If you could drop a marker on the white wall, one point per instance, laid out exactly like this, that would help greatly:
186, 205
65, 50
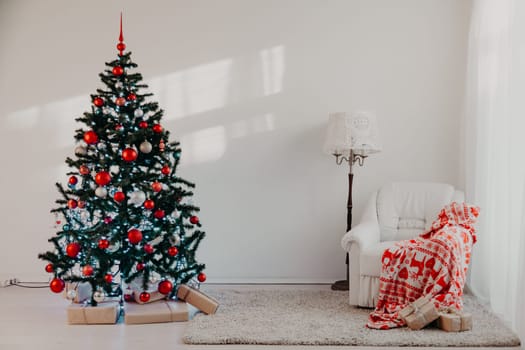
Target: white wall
247, 86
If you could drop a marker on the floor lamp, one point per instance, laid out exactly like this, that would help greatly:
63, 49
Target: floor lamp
350, 138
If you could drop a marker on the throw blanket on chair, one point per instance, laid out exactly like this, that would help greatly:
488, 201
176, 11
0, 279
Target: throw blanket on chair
435, 264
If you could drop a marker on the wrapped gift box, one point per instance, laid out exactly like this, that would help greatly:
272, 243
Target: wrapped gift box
420, 313
454, 322
157, 312
82, 291
198, 299
103, 313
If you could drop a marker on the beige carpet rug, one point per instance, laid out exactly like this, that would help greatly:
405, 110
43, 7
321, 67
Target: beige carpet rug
323, 317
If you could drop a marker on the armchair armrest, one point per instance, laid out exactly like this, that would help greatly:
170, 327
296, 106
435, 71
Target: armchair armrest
364, 234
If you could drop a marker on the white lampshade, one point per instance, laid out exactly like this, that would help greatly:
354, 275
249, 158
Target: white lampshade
356, 131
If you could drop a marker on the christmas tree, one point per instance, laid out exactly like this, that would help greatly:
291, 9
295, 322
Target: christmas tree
125, 215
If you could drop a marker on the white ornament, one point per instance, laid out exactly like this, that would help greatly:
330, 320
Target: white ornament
101, 192
145, 147
138, 113
114, 169
137, 198
119, 85
99, 296
80, 150
71, 294
114, 247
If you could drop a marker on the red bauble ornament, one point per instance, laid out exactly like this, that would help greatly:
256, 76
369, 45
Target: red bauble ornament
157, 128
128, 297
159, 213
73, 180
132, 97
129, 154
144, 297
143, 125
165, 287
102, 178
148, 248
50, 268
165, 170
84, 170
87, 270
120, 101
118, 70
121, 47
81, 204
72, 204
72, 249
201, 277
194, 220
149, 204
156, 186
57, 285
140, 266
134, 236
108, 278
118, 127
172, 251
103, 243
98, 101
119, 196
90, 137
162, 146
108, 220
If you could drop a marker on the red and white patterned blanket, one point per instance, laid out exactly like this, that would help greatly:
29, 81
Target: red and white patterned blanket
435, 263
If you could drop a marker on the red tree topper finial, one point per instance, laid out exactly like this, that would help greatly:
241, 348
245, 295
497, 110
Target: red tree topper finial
121, 46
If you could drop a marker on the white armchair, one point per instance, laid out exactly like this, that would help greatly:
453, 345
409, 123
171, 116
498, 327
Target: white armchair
397, 211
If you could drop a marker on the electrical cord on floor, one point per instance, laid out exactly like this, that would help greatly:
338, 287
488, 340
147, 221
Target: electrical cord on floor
16, 283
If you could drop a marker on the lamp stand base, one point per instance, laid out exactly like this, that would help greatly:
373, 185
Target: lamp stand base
340, 285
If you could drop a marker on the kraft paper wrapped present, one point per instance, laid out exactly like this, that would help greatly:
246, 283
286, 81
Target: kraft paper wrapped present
81, 291
157, 312
420, 313
454, 322
198, 299
103, 313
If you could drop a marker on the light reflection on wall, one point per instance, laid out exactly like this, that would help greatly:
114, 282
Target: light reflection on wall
272, 61
195, 90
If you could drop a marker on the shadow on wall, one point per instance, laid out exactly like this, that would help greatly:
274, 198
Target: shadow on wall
199, 92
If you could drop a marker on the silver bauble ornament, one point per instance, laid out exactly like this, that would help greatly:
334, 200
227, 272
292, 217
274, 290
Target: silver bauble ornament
99, 296
80, 150
101, 192
71, 294
138, 113
145, 147
137, 198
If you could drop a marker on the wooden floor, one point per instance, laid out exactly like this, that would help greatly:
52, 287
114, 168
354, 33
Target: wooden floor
35, 319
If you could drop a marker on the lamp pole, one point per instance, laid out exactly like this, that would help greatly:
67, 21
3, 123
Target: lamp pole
344, 284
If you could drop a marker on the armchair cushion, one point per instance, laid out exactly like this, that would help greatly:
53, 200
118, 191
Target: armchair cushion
405, 209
